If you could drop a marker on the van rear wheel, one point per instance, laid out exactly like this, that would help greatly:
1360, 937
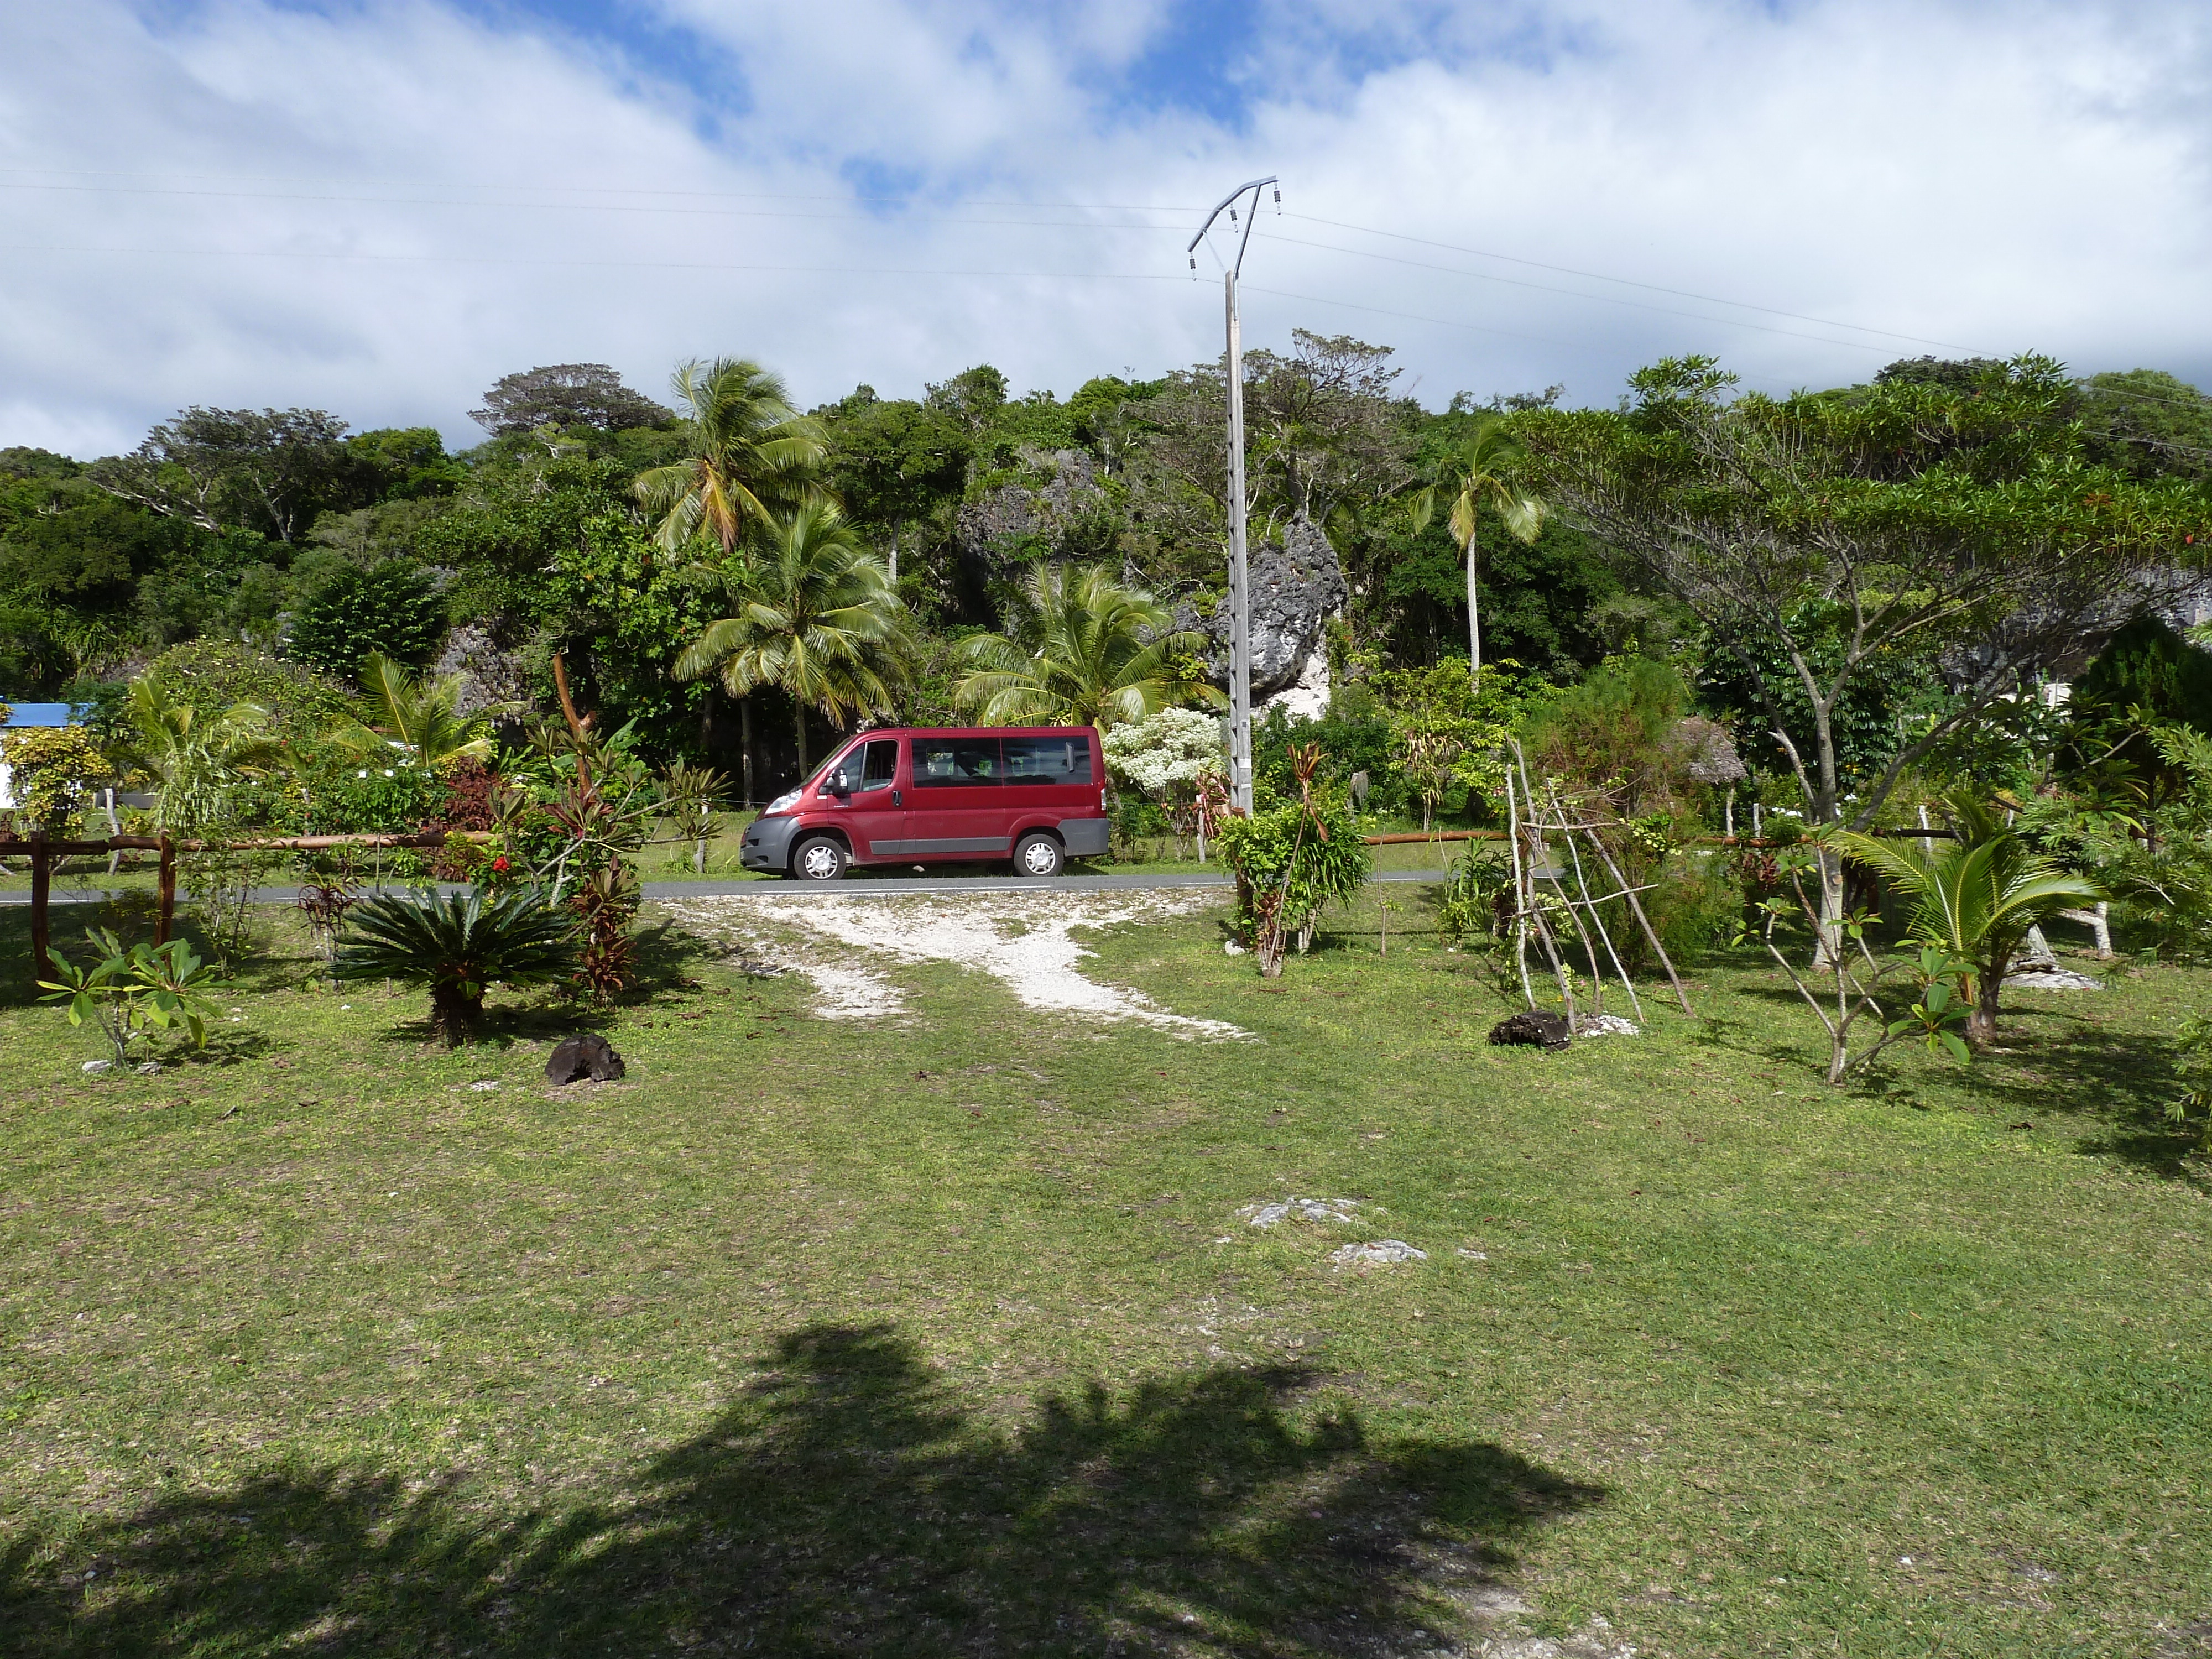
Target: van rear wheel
1038, 854
819, 857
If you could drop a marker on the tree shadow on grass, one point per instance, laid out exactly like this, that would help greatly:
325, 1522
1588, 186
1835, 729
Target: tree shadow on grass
2050, 1062
847, 1504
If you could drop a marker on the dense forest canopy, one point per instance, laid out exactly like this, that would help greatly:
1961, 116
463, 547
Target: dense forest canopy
286, 531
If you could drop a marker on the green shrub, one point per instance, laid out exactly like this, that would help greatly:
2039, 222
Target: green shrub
1697, 904
391, 608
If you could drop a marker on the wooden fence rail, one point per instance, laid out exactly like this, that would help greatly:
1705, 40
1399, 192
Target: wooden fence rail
43, 850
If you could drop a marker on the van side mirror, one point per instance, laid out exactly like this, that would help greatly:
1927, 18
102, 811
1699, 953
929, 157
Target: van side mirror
841, 783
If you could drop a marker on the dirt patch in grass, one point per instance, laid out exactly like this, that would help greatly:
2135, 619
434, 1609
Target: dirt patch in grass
1025, 943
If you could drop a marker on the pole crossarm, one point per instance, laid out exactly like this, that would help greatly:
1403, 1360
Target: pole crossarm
1253, 184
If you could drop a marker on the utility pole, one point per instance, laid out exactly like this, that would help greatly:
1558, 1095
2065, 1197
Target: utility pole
1239, 599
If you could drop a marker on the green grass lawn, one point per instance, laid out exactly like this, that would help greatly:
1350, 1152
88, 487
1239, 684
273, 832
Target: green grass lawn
943, 1335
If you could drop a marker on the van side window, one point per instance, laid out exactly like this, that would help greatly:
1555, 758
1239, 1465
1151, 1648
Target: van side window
956, 762
1048, 760
880, 767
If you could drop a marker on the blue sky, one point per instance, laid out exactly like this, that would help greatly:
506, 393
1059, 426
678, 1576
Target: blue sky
379, 207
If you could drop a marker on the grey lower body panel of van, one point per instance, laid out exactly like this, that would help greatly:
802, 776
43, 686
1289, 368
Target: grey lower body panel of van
766, 844
1084, 838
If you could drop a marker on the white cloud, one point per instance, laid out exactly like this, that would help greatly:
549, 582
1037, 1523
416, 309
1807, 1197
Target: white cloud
2001, 178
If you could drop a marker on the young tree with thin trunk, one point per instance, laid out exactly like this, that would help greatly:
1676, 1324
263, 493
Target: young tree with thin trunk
1481, 471
1835, 532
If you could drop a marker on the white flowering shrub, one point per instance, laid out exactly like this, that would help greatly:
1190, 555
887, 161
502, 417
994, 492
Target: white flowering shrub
1165, 755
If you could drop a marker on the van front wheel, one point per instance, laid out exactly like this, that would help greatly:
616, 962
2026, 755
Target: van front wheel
820, 858
1036, 855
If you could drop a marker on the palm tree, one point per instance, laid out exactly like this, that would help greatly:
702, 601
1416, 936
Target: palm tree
1079, 649
190, 756
1977, 897
422, 717
747, 451
1483, 463
816, 617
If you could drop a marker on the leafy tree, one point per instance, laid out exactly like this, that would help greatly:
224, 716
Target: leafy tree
1325, 434
565, 395
519, 516
1447, 731
1480, 472
746, 451
50, 771
972, 397
213, 676
401, 464
1078, 648
1907, 517
815, 618
2147, 675
894, 462
390, 610
1881, 697
270, 470
2147, 424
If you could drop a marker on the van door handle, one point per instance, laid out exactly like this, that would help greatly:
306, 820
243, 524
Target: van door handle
897, 797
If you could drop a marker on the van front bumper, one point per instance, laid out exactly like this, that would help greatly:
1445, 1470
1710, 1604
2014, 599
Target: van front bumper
766, 844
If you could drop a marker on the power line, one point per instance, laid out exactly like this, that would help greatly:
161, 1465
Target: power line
584, 207
1599, 299
1416, 317
617, 264
2199, 403
1624, 281
588, 190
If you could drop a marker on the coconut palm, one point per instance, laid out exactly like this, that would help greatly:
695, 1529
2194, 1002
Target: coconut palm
421, 716
1079, 649
1977, 896
816, 617
1482, 464
190, 757
748, 451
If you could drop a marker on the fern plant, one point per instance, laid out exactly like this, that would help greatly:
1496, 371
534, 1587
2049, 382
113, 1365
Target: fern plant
458, 945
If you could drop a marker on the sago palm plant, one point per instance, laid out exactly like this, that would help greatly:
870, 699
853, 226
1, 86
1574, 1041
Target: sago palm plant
458, 945
1976, 897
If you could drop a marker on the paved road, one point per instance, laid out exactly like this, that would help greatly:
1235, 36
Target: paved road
853, 887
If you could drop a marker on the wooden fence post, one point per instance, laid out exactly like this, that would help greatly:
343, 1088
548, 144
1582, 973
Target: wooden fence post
167, 917
41, 881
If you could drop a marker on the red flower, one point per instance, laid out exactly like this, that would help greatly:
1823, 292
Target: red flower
499, 866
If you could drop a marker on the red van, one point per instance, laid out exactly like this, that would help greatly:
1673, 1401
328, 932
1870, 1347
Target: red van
1034, 794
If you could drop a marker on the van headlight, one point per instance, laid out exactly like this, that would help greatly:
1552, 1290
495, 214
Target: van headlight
782, 803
